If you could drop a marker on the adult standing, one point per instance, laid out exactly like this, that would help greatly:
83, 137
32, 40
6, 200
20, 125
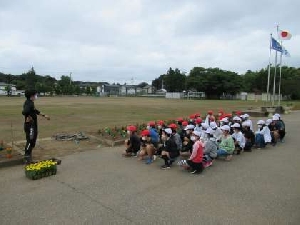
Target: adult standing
30, 124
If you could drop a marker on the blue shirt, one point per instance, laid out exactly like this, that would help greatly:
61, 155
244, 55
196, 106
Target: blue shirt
154, 135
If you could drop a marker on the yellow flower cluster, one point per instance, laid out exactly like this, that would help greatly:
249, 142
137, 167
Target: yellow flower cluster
40, 165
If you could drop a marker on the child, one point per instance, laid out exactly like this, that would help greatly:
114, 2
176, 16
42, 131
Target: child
198, 127
176, 136
210, 150
226, 147
169, 151
238, 137
195, 160
217, 133
274, 129
187, 145
210, 117
147, 148
281, 126
262, 135
249, 136
133, 144
153, 134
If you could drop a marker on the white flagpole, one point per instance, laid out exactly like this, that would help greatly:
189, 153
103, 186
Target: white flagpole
279, 91
269, 71
274, 84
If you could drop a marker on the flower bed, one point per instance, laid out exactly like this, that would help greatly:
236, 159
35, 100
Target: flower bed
118, 133
38, 170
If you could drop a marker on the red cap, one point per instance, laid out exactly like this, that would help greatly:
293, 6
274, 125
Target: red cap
238, 113
185, 123
198, 121
221, 111
179, 119
145, 133
151, 123
210, 112
173, 126
160, 122
197, 115
228, 115
131, 128
192, 116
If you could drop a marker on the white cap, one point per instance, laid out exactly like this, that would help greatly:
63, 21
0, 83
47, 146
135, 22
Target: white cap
225, 127
168, 130
236, 118
246, 124
246, 115
278, 115
209, 131
197, 133
260, 122
189, 127
275, 118
213, 125
236, 125
225, 120
204, 125
268, 122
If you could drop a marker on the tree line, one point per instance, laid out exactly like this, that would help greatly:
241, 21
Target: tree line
216, 82
46, 84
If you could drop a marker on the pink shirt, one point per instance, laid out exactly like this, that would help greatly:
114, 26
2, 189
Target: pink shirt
197, 153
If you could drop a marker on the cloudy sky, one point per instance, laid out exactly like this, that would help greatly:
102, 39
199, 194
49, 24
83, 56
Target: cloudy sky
137, 40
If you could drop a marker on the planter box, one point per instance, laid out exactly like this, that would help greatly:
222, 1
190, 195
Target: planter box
44, 168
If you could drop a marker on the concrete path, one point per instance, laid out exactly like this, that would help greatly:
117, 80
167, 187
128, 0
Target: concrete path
101, 187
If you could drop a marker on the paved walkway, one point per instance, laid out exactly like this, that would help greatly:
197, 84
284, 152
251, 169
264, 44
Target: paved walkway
101, 187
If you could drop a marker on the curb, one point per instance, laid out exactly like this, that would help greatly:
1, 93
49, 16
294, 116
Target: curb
12, 162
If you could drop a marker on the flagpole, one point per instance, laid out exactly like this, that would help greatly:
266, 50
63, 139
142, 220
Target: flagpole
269, 71
279, 88
274, 84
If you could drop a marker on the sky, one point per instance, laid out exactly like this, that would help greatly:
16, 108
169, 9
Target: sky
138, 40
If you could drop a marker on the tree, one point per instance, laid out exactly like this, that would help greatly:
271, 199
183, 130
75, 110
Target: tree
158, 82
30, 79
143, 84
174, 80
66, 86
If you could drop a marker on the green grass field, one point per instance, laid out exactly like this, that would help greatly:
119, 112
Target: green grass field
73, 114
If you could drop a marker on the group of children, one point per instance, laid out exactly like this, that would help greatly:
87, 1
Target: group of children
197, 143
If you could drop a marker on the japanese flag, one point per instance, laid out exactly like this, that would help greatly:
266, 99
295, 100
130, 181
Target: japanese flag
284, 35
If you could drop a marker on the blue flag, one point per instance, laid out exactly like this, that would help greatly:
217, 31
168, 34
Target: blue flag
276, 46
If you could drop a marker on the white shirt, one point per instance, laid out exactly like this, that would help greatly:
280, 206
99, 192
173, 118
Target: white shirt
218, 134
199, 129
266, 133
239, 137
251, 124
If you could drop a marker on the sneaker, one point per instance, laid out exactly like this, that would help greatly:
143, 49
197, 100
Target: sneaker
207, 164
134, 154
194, 172
154, 157
149, 161
164, 167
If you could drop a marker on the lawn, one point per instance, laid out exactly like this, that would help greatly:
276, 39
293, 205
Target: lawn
73, 114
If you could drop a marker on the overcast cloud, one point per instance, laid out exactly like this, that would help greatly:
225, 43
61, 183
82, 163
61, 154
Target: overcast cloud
137, 40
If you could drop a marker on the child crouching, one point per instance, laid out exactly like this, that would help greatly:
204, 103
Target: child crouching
195, 160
